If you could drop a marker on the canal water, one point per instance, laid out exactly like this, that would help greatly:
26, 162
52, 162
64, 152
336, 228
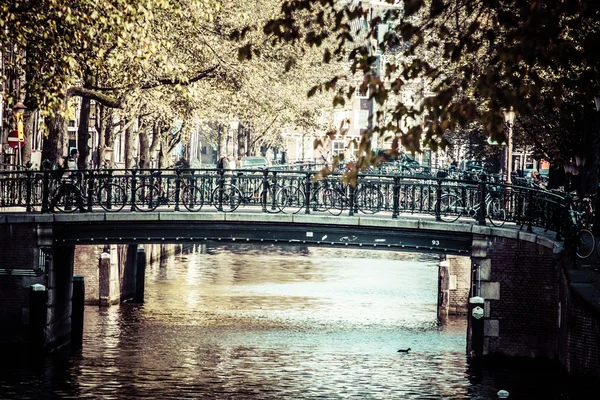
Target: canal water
258, 322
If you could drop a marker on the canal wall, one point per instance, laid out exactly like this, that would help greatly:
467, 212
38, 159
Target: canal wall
519, 282
109, 271
579, 323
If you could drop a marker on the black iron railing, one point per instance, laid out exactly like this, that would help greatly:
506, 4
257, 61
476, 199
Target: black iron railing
486, 201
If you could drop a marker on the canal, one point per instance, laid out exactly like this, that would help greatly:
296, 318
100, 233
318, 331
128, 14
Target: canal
258, 322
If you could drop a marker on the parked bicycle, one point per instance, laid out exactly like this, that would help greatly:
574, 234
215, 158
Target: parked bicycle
581, 220
71, 194
243, 191
162, 192
453, 206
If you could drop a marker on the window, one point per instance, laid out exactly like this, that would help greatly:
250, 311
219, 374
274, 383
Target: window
361, 119
338, 147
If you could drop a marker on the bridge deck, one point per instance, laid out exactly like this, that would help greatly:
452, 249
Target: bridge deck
411, 232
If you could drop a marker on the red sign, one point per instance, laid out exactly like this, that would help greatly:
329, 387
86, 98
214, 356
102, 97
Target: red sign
13, 140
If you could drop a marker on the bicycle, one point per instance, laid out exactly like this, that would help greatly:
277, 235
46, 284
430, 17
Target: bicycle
585, 242
453, 206
70, 195
368, 198
148, 196
231, 195
292, 198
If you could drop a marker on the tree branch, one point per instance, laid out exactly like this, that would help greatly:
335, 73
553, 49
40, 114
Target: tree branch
175, 81
105, 100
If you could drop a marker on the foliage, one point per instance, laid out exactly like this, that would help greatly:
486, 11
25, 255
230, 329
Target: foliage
489, 56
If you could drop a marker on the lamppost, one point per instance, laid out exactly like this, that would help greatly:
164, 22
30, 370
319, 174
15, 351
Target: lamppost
509, 118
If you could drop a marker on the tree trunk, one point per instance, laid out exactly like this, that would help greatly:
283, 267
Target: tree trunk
222, 137
83, 134
129, 151
162, 159
55, 146
144, 140
154, 147
28, 130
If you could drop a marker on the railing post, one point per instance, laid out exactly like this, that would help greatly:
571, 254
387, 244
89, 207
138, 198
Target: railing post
351, 205
221, 184
133, 184
307, 189
109, 194
263, 193
177, 189
530, 211
274, 192
29, 183
482, 196
90, 187
438, 201
396, 197
46, 187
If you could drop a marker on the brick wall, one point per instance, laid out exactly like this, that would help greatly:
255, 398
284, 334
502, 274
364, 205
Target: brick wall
18, 246
86, 263
525, 316
579, 344
460, 284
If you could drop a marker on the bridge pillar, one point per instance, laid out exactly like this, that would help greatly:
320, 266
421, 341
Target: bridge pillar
481, 328
443, 289
78, 302
38, 316
108, 280
128, 285
60, 291
454, 283
140, 275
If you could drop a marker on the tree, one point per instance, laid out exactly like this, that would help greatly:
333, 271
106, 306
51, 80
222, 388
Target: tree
490, 57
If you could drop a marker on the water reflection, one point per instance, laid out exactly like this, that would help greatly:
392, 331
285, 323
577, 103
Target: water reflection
250, 322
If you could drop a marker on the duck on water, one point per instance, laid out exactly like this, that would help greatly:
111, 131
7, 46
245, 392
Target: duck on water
404, 350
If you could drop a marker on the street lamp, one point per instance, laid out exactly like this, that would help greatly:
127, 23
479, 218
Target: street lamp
597, 101
509, 118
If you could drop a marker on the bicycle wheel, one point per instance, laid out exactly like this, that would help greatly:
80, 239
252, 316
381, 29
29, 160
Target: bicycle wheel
192, 198
334, 201
496, 212
271, 204
585, 243
369, 199
147, 198
111, 197
67, 198
230, 200
319, 198
451, 208
290, 199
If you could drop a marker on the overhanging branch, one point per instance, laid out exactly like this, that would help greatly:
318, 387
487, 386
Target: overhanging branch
175, 81
102, 98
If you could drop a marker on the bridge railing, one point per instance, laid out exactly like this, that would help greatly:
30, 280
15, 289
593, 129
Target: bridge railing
287, 191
